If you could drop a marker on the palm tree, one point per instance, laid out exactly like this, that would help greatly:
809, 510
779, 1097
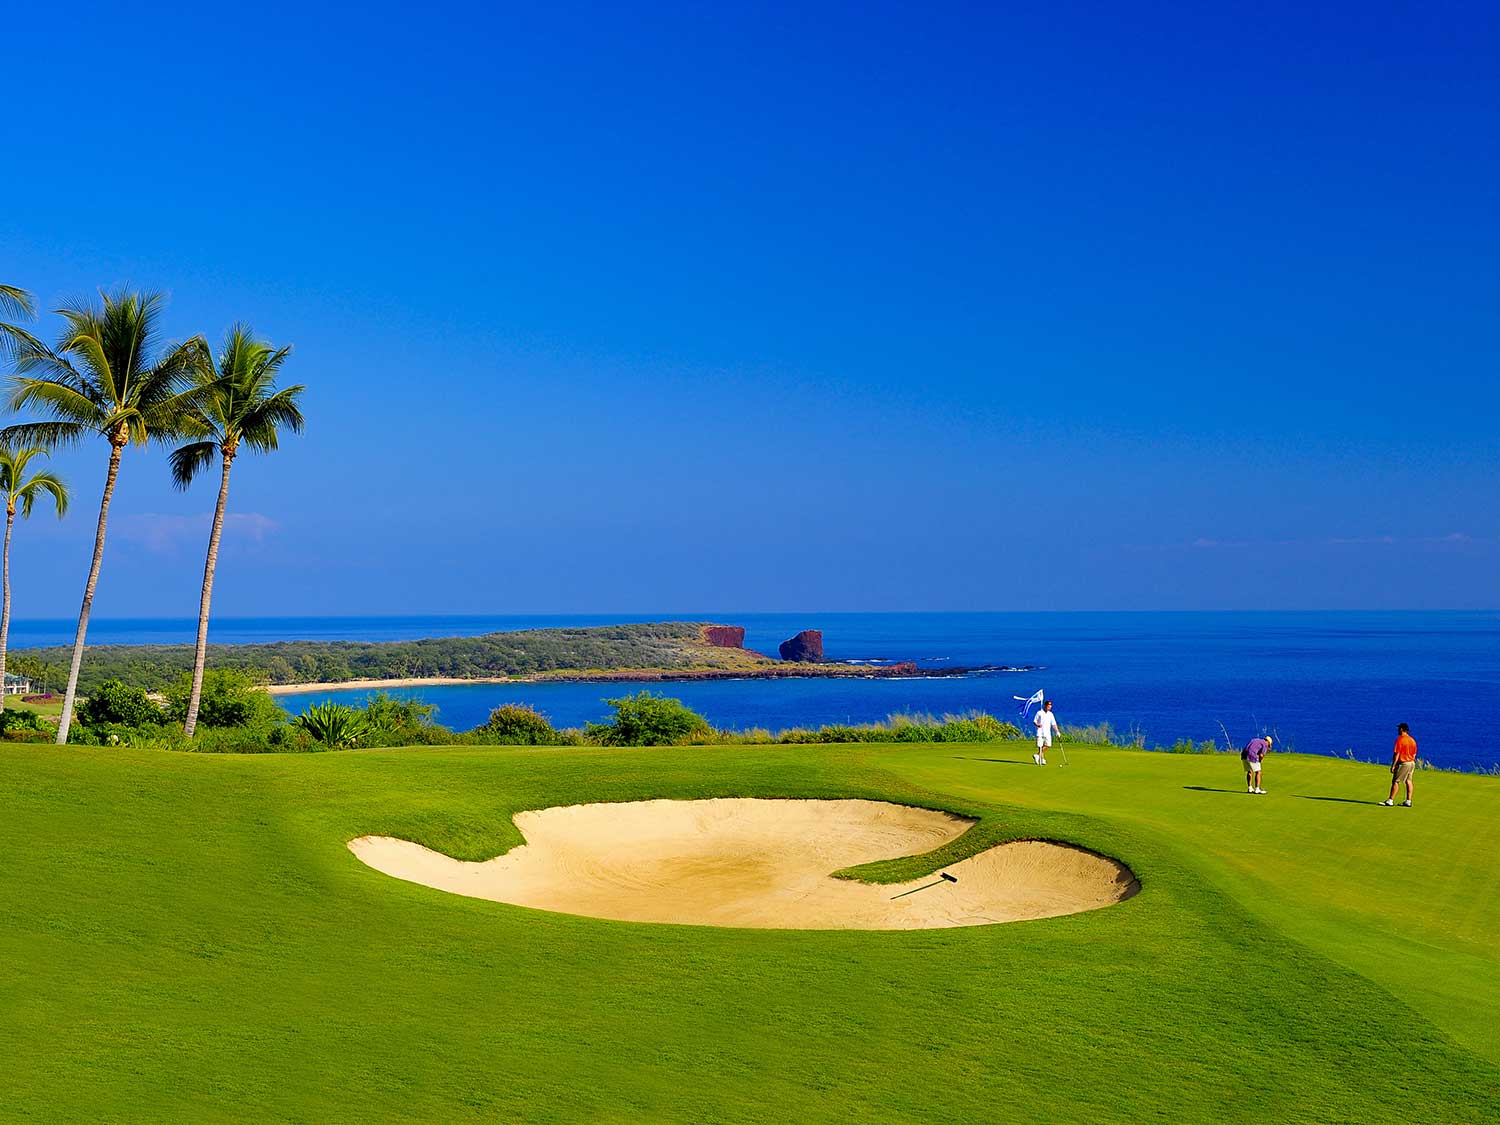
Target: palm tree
21, 491
240, 406
109, 376
16, 302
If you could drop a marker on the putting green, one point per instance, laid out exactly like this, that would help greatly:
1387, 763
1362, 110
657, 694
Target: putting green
188, 937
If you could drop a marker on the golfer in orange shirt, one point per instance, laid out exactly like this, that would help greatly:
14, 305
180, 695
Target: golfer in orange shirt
1403, 765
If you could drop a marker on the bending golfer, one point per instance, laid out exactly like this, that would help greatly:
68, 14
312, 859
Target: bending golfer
1254, 753
1046, 727
1403, 764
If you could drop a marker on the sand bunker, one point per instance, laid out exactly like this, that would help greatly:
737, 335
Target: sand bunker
761, 864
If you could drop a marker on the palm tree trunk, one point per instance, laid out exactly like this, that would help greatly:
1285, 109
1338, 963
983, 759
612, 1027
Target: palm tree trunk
200, 654
116, 447
10, 522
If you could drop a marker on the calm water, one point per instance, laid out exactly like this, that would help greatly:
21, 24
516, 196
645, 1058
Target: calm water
1327, 682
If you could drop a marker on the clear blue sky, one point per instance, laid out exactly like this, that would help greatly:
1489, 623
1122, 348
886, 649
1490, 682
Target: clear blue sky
803, 307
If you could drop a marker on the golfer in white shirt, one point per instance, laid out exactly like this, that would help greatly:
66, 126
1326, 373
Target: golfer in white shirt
1046, 727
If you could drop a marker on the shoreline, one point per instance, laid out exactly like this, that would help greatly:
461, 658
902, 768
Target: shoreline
648, 676
372, 685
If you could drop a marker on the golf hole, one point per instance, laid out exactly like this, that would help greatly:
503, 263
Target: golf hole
760, 864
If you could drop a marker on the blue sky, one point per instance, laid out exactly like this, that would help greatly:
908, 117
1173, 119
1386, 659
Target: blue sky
804, 307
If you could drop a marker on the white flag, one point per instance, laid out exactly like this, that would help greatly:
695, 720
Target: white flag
1028, 704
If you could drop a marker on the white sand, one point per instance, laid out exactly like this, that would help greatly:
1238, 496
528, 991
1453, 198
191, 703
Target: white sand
759, 864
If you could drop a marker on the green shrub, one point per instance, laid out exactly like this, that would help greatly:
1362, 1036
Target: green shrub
646, 719
333, 725
229, 699
913, 732
799, 736
1099, 734
840, 732
401, 722
30, 736
14, 723
1188, 746
975, 726
113, 703
518, 724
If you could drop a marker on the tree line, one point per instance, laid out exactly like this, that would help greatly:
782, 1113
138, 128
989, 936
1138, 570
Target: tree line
110, 376
665, 646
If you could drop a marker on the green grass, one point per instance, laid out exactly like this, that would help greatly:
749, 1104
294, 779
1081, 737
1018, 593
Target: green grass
186, 936
49, 710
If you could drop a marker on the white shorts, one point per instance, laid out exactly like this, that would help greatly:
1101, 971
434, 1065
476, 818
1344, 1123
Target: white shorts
1043, 740
1251, 767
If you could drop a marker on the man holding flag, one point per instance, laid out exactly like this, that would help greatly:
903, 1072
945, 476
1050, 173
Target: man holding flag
1046, 726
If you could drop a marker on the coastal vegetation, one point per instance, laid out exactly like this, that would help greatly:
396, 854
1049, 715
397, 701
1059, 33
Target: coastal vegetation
241, 719
21, 492
239, 407
111, 376
661, 649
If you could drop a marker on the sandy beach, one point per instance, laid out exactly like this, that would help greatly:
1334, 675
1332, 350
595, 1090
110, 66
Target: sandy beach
378, 685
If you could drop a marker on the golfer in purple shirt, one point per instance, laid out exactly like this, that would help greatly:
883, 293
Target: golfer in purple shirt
1254, 753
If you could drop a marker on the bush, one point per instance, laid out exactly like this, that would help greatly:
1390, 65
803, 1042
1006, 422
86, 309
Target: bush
115, 704
229, 699
913, 732
1100, 734
283, 738
646, 719
14, 723
333, 725
401, 722
518, 724
1188, 746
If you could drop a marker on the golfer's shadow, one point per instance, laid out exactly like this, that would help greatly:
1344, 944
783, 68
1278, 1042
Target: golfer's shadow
999, 761
1206, 789
1341, 800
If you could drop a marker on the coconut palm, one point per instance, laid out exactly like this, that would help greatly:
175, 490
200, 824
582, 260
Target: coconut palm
109, 376
21, 491
240, 408
16, 302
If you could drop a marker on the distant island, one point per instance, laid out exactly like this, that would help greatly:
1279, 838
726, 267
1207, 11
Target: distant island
660, 651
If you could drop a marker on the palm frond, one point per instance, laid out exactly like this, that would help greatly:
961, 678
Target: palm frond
27, 352
180, 415
16, 302
13, 462
54, 435
260, 424
65, 403
48, 483
190, 460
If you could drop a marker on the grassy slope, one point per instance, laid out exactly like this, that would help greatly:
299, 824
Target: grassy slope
187, 936
46, 710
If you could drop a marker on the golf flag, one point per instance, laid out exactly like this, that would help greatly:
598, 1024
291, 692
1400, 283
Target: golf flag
1028, 704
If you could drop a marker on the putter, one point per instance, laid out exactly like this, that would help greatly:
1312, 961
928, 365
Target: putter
936, 882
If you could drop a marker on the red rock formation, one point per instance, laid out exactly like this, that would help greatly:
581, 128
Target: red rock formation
724, 636
805, 648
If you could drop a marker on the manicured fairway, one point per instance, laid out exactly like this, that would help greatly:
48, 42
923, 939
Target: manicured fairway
187, 937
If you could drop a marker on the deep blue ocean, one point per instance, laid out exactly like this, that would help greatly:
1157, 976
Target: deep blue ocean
1327, 683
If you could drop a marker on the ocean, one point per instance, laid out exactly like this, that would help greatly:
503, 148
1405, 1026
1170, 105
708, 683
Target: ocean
1326, 683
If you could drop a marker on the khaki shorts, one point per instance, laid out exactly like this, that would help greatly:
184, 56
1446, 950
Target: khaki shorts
1404, 770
